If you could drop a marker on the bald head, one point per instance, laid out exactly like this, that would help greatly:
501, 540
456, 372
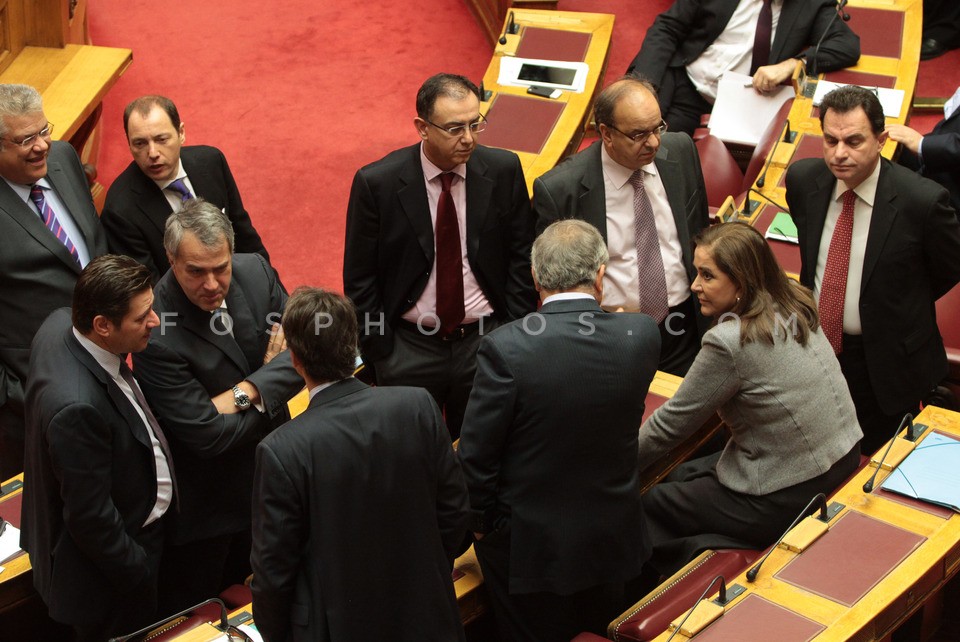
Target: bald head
626, 112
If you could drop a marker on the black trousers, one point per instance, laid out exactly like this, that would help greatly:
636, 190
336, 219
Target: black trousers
542, 616
681, 105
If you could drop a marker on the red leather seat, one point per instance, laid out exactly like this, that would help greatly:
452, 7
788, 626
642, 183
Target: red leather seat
721, 174
948, 319
236, 596
651, 616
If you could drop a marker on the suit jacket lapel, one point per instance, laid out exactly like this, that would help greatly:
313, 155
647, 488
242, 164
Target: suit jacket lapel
818, 200
199, 174
29, 219
74, 201
479, 193
788, 15
670, 171
413, 201
881, 221
198, 322
244, 326
591, 201
117, 396
151, 201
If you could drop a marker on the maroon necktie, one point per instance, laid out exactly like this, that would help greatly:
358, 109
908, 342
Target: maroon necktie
449, 260
761, 39
127, 375
833, 285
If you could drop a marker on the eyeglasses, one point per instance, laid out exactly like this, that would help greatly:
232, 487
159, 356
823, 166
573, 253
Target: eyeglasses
457, 131
641, 137
31, 140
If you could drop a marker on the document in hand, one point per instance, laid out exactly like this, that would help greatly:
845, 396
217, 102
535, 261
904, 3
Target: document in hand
741, 114
929, 473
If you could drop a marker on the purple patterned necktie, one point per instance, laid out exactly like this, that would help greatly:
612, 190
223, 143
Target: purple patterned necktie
51, 221
652, 276
180, 188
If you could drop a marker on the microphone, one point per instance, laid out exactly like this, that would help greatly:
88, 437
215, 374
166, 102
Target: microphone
786, 138
720, 601
839, 13
511, 29
820, 500
907, 419
485, 94
749, 206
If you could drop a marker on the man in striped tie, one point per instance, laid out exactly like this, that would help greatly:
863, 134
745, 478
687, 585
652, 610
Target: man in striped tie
879, 245
49, 231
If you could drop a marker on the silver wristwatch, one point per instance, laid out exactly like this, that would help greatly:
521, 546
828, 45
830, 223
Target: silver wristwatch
241, 398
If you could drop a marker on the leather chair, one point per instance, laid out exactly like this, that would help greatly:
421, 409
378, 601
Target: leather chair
721, 174
948, 319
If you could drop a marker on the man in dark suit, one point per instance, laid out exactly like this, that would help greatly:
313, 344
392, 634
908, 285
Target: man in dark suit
99, 478
598, 186
937, 154
359, 503
217, 374
161, 177
437, 248
38, 266
554, 475
691, 44
878, 245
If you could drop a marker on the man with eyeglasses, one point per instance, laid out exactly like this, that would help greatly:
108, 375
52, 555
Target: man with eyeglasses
437, 248
49, 230
642, 188
165, 174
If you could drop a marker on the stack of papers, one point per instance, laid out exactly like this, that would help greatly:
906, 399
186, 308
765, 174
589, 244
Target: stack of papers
929, 473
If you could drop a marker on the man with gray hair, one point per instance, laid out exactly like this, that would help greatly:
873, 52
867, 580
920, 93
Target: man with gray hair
217, 375
49, 231
549, 447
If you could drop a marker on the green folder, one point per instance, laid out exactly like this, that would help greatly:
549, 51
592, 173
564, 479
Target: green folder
782, 228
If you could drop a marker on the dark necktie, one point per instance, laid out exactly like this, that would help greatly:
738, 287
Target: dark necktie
449, 260
650, 270
127, 375
51, 221
180, 188
761, 39
833, 285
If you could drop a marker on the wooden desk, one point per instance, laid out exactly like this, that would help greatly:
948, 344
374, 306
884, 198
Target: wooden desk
895, 595
566, 132
16, 580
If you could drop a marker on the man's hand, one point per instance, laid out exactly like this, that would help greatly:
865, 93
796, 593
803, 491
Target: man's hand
278, 343
769, 77
226, 403
909, 138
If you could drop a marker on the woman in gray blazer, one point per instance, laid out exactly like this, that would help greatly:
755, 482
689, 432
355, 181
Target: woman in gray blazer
768, 370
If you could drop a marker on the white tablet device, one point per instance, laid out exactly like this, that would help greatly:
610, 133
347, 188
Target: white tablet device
527, 72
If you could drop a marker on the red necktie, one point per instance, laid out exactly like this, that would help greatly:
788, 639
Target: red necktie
761, 39
833, 286
449, 260
653, 279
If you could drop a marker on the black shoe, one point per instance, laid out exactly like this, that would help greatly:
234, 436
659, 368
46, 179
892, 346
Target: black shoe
930, 48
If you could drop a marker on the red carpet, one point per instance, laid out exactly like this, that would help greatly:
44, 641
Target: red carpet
299, 94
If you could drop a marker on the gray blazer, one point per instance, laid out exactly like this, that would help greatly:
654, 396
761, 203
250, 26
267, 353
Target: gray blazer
787, 406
